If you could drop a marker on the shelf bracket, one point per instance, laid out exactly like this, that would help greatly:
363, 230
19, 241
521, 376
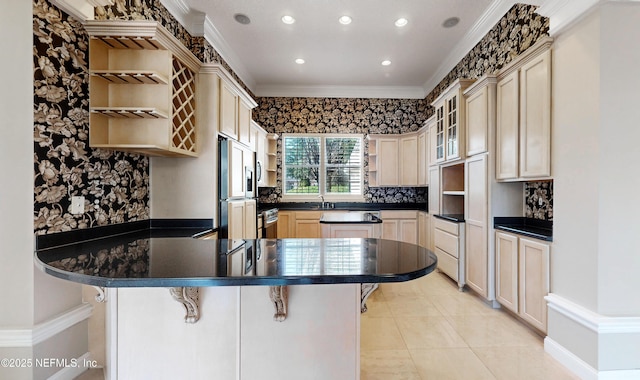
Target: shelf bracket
188, 297
365, 292
101, 296
280, 297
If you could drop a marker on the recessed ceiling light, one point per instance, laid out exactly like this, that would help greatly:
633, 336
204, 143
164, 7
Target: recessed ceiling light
386, 62
401, 22
299, 61
451, 22
242, 19
345, 20
288, 19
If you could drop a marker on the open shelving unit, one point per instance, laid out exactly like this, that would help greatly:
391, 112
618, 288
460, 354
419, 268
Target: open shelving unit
373, 162
453, 190
142, 89
272, 159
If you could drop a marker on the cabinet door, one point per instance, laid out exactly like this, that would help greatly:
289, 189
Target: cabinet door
423, 229
476, 221
477, 121
236, 170
408, 231
408, 164
228, 111
390, 229
352, 231
432, 145
423, 163
434, 190
388, 162
453, 128
236, 219
507, 270
308, 228
250, 220
534, 282
535, 117
507, 132
285, 220
244, 123
440, 133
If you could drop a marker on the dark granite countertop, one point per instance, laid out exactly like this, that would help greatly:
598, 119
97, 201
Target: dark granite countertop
534, 228
355, 217
456, 218
354, 206
146, 259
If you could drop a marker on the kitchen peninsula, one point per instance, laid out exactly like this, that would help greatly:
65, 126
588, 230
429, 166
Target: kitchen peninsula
230, 320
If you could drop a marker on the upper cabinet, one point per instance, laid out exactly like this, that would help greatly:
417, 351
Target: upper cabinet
449, 122
142, 89
235, 113
523, 121
480, 102
398, 160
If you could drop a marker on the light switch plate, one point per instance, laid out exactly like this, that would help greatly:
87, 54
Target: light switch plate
77, 205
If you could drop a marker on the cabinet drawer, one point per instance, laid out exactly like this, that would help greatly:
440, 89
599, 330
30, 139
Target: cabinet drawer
446, 242
449, 227
447, 264
398, 214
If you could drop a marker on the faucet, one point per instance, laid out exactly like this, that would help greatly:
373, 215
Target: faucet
324, 205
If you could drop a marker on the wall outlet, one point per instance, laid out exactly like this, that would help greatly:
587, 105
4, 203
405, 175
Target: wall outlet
77, 205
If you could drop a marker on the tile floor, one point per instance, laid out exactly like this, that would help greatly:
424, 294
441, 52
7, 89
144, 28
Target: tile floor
426, 329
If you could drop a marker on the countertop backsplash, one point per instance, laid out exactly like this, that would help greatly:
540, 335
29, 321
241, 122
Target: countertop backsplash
538, 200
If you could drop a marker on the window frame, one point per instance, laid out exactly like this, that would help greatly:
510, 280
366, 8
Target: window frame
329, 197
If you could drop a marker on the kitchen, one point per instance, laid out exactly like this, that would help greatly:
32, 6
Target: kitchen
571, 188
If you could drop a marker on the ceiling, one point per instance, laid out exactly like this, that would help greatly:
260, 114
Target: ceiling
343, 60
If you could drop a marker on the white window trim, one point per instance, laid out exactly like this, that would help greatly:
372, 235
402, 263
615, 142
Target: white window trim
327, 197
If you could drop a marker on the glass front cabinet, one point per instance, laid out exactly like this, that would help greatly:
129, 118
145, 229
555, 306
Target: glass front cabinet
449, 111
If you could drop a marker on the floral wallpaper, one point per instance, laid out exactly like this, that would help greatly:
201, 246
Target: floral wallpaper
538, 200
115, 184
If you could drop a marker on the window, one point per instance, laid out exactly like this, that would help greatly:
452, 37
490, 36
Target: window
327, 164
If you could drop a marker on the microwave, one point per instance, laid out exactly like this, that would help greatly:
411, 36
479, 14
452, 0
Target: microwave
249, 182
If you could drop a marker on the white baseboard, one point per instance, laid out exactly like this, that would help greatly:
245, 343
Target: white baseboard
45, 330
602, 326
71, 372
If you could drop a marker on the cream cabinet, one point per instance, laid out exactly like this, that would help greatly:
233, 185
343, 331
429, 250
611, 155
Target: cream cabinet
244, 124
424, 224
423, 155
355, 230
449, 244
407, 160
480, 101
260, 142
143, 89
401, 225
383, 161
476, 224
235, 112
523, 124
522, 279
449, 122
242, 221
307, 224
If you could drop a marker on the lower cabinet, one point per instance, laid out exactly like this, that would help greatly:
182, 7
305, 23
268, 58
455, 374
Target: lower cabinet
307, 224
522, 277
400, 225
363, 231
424, 224
448, 241
242, 219
286, 224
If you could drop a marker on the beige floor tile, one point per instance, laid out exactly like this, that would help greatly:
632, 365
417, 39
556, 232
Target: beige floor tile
387, 365
380, 334
522, 363
493, 331
428, 332
450, 363
413, 306
460, 304
377, 306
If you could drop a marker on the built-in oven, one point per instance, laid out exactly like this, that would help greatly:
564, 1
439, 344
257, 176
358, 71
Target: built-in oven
270, 223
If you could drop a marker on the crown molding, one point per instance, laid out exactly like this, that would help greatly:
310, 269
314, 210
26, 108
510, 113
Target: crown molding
81, 10
564, 13
386, 92
480, 28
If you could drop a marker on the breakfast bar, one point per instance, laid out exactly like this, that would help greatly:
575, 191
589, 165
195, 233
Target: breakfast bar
265, 308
